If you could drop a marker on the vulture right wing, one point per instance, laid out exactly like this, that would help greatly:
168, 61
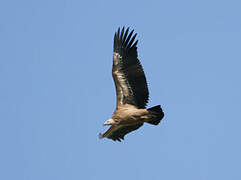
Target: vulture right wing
127, 72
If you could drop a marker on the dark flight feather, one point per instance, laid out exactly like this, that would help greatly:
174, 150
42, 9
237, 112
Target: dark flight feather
119, 132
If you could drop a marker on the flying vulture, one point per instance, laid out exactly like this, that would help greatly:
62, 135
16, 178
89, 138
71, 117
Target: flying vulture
131, 90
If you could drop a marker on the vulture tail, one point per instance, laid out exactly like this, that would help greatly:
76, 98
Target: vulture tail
156, 115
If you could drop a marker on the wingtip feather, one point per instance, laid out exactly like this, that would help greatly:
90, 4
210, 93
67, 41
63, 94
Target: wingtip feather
101, 136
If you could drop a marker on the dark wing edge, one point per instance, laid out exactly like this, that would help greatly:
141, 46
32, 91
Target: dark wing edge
127, 72
118, 132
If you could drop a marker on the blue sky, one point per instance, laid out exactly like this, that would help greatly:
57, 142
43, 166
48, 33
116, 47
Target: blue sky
57, 90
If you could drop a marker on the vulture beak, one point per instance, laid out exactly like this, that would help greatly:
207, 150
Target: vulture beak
109, 122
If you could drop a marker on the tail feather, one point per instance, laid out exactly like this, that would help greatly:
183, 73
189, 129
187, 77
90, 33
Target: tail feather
156, 114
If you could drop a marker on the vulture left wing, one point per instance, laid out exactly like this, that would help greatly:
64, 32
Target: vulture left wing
117, 132
127, 72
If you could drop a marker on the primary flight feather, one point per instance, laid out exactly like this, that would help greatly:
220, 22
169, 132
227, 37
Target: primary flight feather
131, 90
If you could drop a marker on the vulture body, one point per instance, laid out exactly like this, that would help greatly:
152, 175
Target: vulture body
131, 90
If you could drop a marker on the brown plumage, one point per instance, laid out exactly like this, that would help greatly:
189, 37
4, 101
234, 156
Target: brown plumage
131, 90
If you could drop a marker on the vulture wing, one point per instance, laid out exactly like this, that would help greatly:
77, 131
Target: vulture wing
117, 132
127, 72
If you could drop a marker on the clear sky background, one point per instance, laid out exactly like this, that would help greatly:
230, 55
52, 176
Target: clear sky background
56, 90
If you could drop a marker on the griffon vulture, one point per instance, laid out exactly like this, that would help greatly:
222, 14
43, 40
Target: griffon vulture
131, 90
